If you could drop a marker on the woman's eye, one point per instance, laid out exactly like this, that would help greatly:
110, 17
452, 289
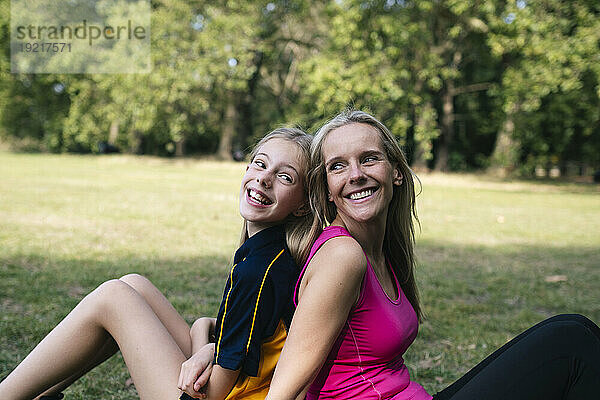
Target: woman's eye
335, 166
370, 159
259, 163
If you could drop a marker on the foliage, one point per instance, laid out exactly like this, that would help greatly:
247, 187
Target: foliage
462, 84
550, 51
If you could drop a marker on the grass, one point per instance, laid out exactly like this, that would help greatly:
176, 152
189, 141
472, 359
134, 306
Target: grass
485, 250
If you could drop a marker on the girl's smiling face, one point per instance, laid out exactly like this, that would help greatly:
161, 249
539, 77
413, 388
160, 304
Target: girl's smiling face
272, 187
360, 178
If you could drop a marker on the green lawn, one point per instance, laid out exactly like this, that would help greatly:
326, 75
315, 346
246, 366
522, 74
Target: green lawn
485, 249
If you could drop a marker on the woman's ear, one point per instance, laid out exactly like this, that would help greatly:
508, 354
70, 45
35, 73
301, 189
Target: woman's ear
329, 196
301, 211
397, 176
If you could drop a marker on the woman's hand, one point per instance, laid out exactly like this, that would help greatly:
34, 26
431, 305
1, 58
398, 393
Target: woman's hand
195, 372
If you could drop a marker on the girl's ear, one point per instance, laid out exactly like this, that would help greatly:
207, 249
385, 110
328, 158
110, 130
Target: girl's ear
397, 176
301, 211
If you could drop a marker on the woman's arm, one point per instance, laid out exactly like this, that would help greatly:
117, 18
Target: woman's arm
330, 289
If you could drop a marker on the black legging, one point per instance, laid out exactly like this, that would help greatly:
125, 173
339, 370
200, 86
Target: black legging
558, 358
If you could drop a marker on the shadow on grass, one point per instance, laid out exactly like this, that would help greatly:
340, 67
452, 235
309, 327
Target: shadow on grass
476, 298
515, 277
37, 292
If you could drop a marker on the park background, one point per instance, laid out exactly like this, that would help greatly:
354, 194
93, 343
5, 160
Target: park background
497, 104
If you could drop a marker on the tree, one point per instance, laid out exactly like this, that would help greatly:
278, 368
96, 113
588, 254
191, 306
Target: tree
257, 50
462, 84
550, 50
30, 105
398, 58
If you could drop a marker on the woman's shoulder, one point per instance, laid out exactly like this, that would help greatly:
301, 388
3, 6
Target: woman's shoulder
342, 254
338, 265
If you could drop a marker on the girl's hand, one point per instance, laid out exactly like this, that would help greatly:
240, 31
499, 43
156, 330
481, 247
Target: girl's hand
195, 372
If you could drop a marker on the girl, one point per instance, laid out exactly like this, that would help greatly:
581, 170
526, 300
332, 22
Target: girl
358, 291
131, 315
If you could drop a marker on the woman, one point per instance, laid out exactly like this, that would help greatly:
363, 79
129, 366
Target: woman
358, 306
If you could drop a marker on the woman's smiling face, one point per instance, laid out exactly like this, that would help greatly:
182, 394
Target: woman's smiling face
360, 178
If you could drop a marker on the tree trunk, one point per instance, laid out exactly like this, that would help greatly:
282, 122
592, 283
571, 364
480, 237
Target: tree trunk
447, 128
226, 141
503, 160
113, 133
136, 141
419, 160
503, 149
246, 109
180, 147
419, 163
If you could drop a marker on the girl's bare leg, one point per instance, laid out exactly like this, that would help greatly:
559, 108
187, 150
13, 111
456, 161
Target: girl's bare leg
107, 351
164, 310
114, 310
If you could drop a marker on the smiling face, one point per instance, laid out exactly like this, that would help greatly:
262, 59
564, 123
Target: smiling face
360, 178
272, 187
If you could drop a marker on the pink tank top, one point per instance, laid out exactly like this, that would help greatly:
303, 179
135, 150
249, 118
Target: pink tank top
366, 360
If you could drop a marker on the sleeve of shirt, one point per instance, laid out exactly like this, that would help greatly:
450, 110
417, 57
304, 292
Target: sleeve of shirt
241, 319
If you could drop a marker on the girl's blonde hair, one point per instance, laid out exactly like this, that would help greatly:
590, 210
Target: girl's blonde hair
296, 227
399, 237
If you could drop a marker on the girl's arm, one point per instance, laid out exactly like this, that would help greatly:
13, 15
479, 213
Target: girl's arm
198, 377
331, 290
202, 332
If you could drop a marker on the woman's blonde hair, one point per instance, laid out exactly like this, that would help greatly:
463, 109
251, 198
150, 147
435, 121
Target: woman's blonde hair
399, 237
296, 227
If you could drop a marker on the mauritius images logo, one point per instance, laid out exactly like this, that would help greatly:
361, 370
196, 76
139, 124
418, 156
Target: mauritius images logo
80, 36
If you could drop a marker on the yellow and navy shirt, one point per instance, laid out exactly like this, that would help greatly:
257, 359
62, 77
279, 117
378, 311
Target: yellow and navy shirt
255, 312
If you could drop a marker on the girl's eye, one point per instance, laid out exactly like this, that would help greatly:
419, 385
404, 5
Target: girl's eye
286, 178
